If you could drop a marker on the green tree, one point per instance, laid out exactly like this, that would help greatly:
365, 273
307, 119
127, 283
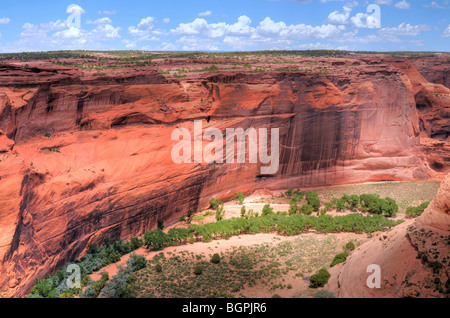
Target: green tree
320, 278
267, 210
340, 204
198, 269
243, 211
220, 212
215, 258
190, 215
307, 209
160, 224
92, 249
313, 199
353, 201
136, 243
339, 258
215, 203
43, 289
240, 197
350, 246
293, 208
156, 239
389, 207
415, 211
100, 284
136, 262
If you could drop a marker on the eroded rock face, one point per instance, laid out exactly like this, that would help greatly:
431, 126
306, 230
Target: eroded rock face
90, 158
433, 107
435, 69
413, 257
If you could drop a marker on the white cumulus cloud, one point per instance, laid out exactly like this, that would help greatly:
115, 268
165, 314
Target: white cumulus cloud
404, 5
205, 13
4, 20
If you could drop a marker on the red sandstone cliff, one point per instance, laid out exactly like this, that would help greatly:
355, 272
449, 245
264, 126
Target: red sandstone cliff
83, 159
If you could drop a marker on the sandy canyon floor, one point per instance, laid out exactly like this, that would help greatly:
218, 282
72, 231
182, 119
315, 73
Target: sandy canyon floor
262, 265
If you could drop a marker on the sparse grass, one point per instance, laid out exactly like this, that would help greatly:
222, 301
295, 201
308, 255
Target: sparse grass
404, 193
266, 265
269, 264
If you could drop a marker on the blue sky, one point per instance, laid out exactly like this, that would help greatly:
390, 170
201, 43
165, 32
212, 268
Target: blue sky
218, 25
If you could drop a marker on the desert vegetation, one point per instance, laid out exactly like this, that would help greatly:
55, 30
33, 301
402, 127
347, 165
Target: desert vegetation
281, 223
415, 211
369, 213
181, 64
279, 267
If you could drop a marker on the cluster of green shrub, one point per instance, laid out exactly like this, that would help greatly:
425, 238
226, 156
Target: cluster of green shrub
220, 213
374, 204
95, 258
215, 259
267, 210
296, 198
320, 278
98, 257
54, 286
122, 285
339, 258
270, 222
346, 202
34, 56
365, 203
189, 217
342, 257
415, 211
240, 197
250, 223
93, 289
248, 213
291, 193
215, 203
357, 223
313, 200
306, 209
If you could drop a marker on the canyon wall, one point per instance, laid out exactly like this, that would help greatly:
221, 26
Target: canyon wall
84, 159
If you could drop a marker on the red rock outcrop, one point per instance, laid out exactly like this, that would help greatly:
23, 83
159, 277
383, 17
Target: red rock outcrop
85, 158
433, 107
435, 68
413, 257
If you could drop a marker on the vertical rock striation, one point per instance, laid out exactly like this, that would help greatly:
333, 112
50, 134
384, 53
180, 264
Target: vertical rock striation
87, 159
